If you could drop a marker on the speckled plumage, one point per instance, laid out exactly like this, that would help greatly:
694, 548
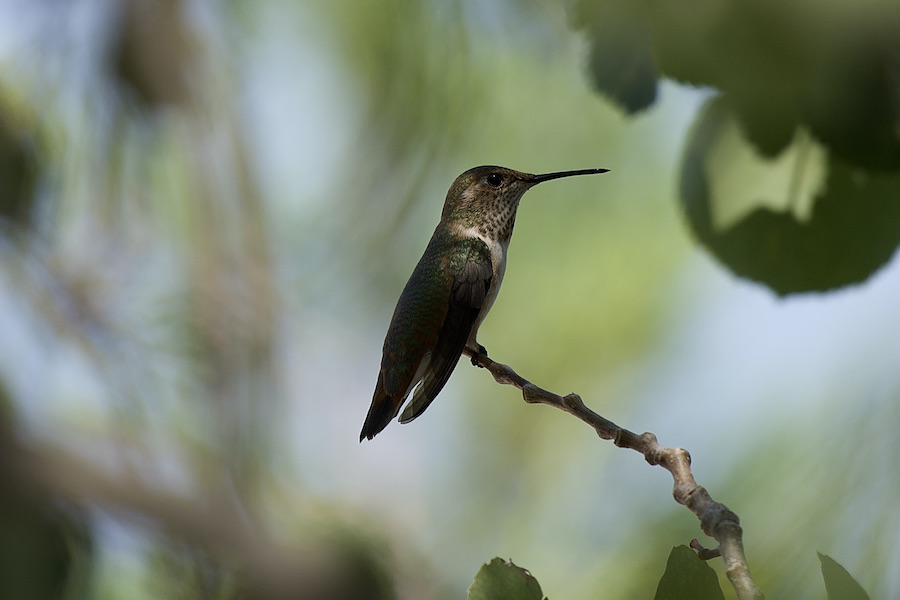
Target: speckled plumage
450, 291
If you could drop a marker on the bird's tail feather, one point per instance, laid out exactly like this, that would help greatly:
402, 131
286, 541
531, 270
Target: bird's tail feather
383, 409
420, 401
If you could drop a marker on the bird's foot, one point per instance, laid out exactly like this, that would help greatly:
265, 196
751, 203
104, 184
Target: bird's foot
478, 353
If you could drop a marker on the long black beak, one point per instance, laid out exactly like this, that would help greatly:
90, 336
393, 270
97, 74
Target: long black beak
548, 176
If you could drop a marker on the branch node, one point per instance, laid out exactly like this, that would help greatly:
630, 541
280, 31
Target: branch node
573, 402
531, 393
705, 553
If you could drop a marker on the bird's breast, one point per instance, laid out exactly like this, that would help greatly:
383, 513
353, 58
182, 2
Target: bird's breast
498, 249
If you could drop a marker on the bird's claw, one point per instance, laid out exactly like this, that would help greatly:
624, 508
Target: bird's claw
477, 355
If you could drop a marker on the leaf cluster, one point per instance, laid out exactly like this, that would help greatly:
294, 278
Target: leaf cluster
686, 577
806, 114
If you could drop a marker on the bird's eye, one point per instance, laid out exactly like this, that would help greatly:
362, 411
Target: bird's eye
495, 179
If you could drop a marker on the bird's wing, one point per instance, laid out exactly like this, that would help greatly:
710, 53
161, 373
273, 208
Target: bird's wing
413, 331
429, 328
471, 273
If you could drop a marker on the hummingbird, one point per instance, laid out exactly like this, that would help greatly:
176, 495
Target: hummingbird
450, 291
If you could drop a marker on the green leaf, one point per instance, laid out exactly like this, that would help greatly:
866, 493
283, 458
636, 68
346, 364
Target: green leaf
501, 580
620, 63
828, 67
688, 578
621, 67
838, 582
798, 222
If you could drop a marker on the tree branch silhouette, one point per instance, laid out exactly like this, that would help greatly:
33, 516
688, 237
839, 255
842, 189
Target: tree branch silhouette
716, 520
210, 521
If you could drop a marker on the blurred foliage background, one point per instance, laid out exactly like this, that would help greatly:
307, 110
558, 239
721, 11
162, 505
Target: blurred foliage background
210, 208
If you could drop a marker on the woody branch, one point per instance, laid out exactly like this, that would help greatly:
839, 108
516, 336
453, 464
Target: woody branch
716, 520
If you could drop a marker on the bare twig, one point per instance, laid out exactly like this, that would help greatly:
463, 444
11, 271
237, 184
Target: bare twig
716, 520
